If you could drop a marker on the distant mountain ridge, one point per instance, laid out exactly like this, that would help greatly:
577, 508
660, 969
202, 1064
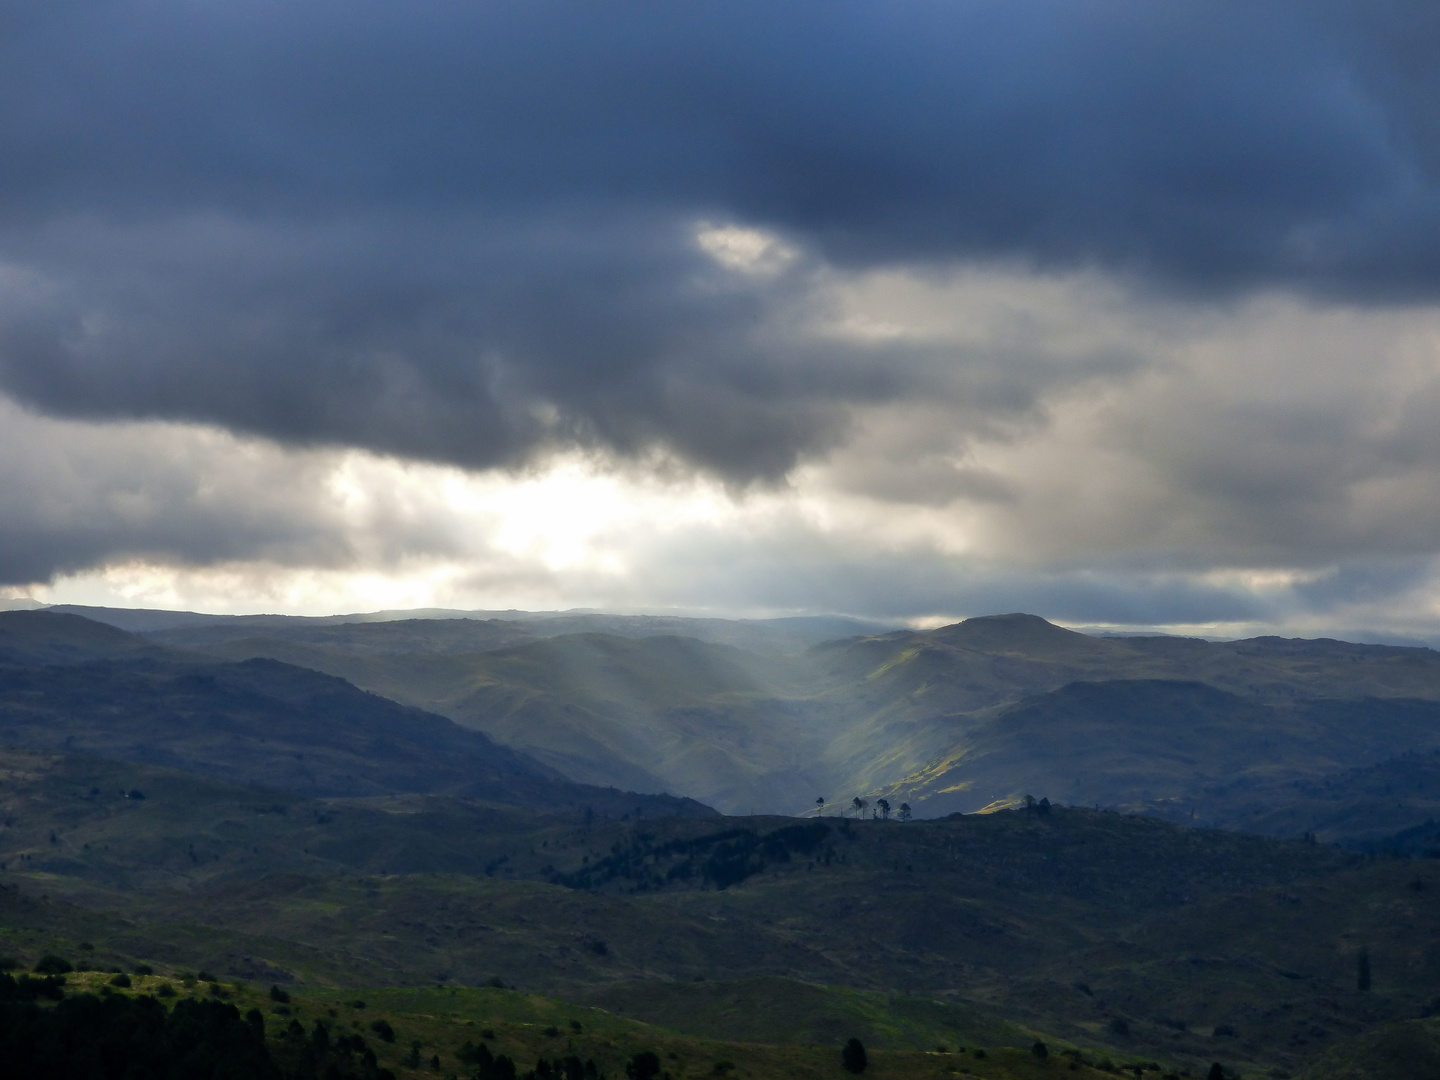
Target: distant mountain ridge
786, 634
70, 684
50, 637
963, 717
916, 716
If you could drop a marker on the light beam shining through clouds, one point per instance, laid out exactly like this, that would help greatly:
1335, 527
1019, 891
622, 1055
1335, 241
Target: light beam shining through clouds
1123, 314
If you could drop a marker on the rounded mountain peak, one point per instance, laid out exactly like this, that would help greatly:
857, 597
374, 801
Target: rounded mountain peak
1029, 635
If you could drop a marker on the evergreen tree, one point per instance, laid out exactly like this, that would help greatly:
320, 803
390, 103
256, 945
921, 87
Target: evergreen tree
853, 1057
643, 1066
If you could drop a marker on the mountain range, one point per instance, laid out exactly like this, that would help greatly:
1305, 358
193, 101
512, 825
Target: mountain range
1278, 735
449, 803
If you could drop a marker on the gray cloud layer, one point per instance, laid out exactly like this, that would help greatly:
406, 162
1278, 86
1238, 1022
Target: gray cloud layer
76, 495
465, 231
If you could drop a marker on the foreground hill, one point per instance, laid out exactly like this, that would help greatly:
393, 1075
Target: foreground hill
1137, 939
215, 1025
1409, 1050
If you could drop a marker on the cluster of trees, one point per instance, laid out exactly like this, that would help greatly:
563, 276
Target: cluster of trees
317, 1055
485, 1065
720, 859
881, 809
28, 988
119, 1037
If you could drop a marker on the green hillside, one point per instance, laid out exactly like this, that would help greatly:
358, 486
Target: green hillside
1409, 1050
1137, 939
447, 1031
1192, 752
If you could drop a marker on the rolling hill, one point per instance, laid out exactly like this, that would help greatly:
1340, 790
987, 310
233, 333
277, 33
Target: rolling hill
1133, 938
259, 722
1181, 749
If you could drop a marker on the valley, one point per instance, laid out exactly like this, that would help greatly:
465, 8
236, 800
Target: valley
956, 719
186, 806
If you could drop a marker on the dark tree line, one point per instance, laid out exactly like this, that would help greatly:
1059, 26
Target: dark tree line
320, 1056
487, 1066
720, 859
120, 1038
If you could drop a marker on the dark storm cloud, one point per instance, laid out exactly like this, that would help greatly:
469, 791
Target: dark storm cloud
76, 495
465, 231
834, 576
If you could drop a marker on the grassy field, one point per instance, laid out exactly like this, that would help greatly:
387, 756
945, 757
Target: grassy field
423, 1032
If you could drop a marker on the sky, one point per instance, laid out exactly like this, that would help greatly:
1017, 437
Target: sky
1121, 313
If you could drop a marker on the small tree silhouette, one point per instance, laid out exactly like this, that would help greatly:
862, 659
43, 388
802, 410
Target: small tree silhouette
643, 1066
50, 964
884, 805
820, 805
853, 1057
859, 805
905, 811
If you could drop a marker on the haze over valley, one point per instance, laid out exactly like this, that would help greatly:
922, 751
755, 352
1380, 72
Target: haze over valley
767, 716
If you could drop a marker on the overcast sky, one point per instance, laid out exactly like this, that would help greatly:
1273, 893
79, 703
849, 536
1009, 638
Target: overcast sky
1121, 313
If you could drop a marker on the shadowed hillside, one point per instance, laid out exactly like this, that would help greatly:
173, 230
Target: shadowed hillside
49, 637
261, 722
1405, 1051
